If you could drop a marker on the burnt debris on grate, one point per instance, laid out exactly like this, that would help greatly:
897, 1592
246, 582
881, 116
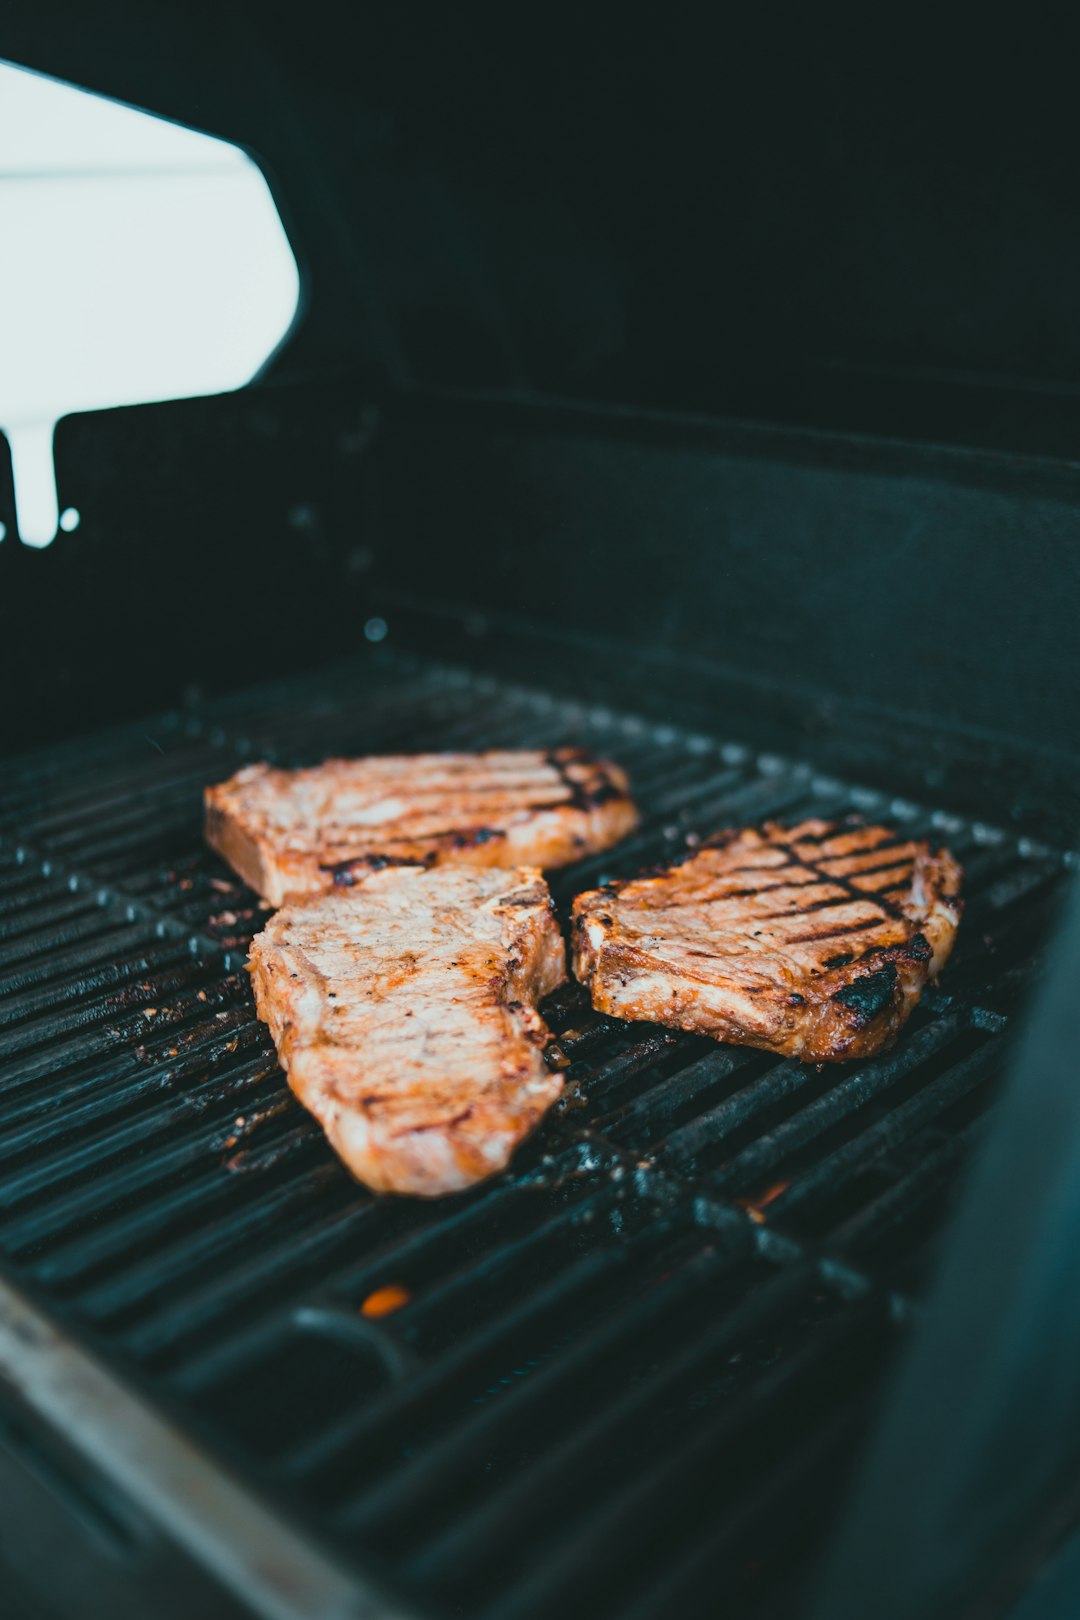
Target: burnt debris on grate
632, 1368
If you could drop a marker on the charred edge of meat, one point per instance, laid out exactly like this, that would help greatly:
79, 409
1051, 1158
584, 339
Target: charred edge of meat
603, 793
529, 897
661, 868
918, 948
346, 873
869, 996
585, 796
716, 840
658, 869
833, 828
448, 837
579, 939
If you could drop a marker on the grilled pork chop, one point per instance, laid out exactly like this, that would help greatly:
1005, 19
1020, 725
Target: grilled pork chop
815, 942
302, 832
404, 1012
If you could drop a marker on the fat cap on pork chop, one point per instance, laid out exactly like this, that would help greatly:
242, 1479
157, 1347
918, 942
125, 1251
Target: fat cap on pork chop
814, 942
290, 832
404, 1013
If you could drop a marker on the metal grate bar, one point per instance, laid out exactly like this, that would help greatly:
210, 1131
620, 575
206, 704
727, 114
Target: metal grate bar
784, 1500
223, 1365
865, 1082
517, 1499
444, 1463
353, 1438
836, 1168
601, 1529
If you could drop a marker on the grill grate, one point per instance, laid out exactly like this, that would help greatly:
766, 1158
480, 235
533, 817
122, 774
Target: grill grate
630, 1371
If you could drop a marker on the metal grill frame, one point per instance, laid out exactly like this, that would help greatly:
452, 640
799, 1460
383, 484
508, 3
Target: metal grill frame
236, 1540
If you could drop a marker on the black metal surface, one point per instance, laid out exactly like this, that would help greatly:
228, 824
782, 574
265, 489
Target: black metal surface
694, 214
74, 1550
982, 1433
629, 1372
187, 509
925, 641
824, 582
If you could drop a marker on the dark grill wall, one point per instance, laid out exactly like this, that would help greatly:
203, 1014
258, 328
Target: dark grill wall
729, 208
941, 584
838, 592
831, 584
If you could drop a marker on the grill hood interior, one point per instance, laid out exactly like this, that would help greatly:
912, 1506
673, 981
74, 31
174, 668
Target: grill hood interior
787, 219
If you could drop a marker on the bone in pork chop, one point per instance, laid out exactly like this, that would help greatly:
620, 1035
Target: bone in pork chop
306, 831
815, 942
404, 1013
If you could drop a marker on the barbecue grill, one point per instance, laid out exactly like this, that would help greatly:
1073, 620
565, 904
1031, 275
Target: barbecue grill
732, 1334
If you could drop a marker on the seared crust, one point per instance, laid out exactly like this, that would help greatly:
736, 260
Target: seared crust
310, 831
404, 1013
815, 941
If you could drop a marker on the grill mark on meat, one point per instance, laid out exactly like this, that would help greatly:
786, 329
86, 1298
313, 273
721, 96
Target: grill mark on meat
897, 859
842, 883
897, 888
869, 895
344, 873
746, 894
800, 910
761, 866
832, 829
885, 889
446, 1124
659, 870
460, 837
824, 836
846, 931
850, 891
889, 841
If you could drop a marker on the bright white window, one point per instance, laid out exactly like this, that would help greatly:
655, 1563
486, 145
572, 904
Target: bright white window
139, 261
